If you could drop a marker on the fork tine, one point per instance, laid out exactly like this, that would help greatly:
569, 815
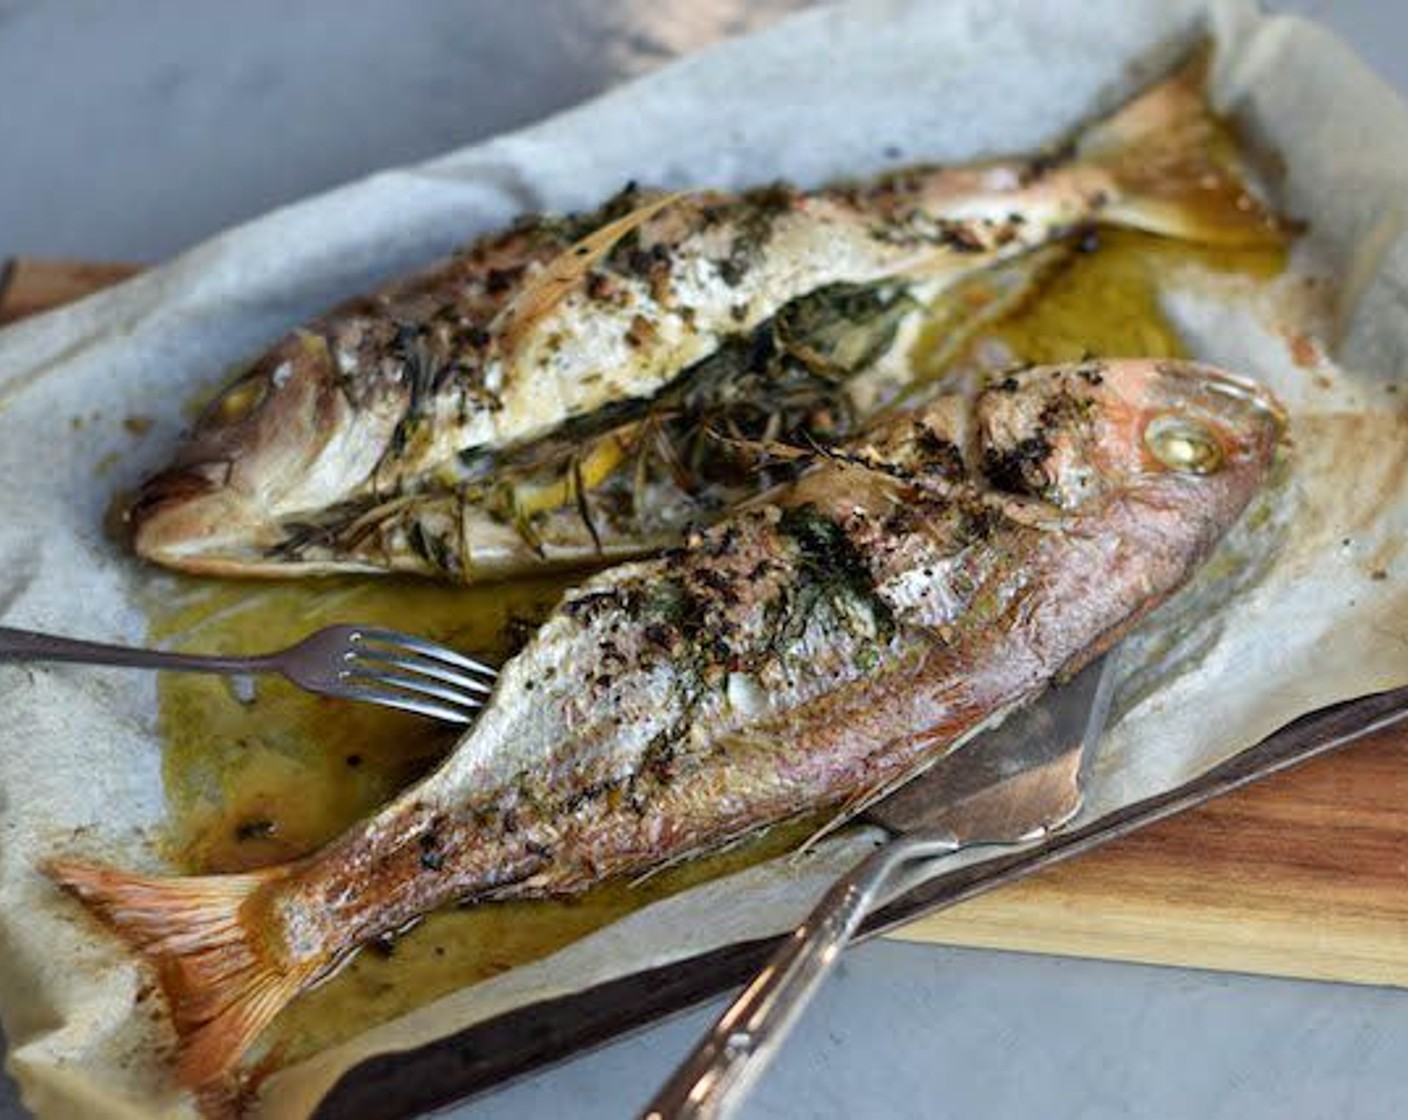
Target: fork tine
358, 675
414, 703
427, 649
383, 663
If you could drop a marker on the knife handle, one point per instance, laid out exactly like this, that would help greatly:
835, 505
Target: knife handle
713, 1081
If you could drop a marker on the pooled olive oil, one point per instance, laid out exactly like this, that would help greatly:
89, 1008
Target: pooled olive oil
1105, 302
258, 771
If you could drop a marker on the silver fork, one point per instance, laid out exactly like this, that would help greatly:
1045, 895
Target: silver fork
349, 662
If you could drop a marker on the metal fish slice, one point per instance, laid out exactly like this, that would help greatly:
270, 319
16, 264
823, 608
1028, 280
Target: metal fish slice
1011, 784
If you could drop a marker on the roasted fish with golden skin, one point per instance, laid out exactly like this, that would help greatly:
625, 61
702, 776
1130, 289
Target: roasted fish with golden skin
808, 652
578, 389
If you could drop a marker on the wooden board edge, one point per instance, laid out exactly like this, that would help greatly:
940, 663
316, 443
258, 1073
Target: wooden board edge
29, 285
1215, 938
7, 278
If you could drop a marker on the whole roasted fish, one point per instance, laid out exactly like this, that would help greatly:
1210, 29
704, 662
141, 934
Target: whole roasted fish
806, 653
580, 388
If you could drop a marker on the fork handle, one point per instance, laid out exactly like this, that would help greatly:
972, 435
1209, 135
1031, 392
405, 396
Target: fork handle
711, 1083
28, 645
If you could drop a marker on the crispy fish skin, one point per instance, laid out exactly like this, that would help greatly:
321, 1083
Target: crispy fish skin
310, 463
808, 652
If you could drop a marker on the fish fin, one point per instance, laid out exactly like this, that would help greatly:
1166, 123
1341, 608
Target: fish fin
221, 981
566, 271
1171, 161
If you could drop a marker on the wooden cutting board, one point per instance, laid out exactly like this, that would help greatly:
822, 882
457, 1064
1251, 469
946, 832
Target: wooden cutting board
1304, 874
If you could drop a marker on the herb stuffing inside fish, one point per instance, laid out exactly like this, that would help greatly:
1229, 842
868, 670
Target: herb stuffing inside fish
585, 388
806, 653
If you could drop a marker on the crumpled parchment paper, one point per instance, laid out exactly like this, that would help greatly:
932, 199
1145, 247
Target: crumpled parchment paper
834, 92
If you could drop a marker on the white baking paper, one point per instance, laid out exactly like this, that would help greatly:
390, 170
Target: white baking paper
835, 92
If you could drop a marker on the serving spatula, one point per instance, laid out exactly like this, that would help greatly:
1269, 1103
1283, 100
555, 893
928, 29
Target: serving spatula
1011, 784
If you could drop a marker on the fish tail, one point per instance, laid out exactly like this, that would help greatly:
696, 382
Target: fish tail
222, 981
1171, 161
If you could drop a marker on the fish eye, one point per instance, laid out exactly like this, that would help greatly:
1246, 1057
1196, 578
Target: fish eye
1182, 444
240, 399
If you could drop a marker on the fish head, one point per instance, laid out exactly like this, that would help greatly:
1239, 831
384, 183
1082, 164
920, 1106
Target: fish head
1171, 430
290, 435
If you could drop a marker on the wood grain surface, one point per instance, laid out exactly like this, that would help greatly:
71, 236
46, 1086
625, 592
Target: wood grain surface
1304, 874
28, 286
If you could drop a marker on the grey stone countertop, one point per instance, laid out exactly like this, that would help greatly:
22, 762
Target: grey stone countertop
131, 131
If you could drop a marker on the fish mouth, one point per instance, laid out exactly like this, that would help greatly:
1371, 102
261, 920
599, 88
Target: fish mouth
189, 519
173, 487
